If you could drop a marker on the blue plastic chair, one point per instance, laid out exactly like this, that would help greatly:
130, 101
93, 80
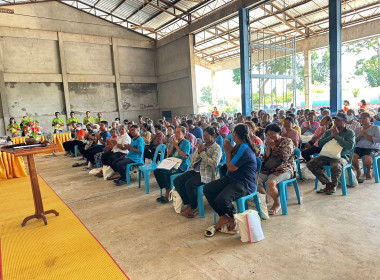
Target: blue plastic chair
297, 153
147, 168
343, 182
241, 203
76, 151
218, 171
377, 123
375, 166
283, 191
129, 166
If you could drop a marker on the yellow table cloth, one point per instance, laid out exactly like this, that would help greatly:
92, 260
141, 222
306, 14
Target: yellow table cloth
11, 167
14, 167
58, 139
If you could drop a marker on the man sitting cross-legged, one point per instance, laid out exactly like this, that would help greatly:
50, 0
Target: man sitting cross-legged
346, 139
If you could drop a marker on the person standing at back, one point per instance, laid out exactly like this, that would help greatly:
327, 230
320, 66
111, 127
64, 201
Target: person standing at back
57, 123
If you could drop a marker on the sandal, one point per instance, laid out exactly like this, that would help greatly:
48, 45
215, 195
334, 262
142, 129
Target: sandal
76, 164
324, 190
209, 232
330, 191
224, 229
274, 212
361, 180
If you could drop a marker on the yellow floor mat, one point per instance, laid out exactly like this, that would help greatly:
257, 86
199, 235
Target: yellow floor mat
64, 249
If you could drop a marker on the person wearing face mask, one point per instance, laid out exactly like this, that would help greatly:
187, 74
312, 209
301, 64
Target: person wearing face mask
367, 143
351, 122
169, 137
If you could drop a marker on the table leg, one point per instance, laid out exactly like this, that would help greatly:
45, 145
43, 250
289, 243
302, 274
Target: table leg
39, 208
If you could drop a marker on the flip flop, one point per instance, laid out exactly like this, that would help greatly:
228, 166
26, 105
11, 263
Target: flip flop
272, 212
209, 232
224, 229
322, 190
76, 164
360, 180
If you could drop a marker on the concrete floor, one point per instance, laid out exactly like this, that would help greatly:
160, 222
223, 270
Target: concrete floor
327, 237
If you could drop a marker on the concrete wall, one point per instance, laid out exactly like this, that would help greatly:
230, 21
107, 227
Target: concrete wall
176, 76
62, 59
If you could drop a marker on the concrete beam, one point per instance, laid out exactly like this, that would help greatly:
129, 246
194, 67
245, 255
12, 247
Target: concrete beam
224, 12
192, 81
82, 78
3, 95
115, 62
138, 80
349, 34
307, 78
65, 82
32, 78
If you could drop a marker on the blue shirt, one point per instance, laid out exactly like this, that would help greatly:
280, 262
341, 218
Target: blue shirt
138, 144
104, 136
229, 137
185, 147
197, 132
220, 141
245, 160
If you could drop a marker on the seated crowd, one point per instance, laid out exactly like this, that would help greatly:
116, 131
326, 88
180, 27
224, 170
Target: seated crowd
220, 153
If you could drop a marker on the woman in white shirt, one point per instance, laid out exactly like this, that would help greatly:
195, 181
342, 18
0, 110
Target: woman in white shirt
119, 149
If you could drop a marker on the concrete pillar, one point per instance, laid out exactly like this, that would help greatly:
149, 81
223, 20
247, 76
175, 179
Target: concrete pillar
244, 61
3, 96
335, 36
213, 92
64, 74
193, 91
115, 61
307, 55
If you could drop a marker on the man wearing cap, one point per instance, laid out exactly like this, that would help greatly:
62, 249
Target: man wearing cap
346, 139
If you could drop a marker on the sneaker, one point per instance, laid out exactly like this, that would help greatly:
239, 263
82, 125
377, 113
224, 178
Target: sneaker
120, 182
159, 199
164, 200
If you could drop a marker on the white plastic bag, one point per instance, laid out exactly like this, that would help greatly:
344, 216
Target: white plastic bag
107, 171
94, 171
177, 200
263, 206
255, 232
331, 149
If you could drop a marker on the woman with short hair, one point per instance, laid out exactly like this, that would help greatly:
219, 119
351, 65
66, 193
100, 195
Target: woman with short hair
203, 166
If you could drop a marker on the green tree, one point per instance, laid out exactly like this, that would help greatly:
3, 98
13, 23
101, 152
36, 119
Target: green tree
320, 67
236, 77
369, 68
206, 95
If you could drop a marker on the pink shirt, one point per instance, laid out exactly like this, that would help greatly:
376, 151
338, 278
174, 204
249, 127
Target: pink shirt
294, 136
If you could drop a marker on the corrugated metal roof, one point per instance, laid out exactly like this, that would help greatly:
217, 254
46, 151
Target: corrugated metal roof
159, 18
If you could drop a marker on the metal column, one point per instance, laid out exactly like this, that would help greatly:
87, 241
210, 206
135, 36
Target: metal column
244, 61
335, 36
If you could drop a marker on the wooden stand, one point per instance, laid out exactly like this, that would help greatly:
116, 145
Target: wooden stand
29, 153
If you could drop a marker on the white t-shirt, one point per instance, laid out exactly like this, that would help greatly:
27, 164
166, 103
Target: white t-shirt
124, 140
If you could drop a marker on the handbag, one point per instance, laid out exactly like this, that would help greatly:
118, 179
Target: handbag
177, 200
331, 149
272, 162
